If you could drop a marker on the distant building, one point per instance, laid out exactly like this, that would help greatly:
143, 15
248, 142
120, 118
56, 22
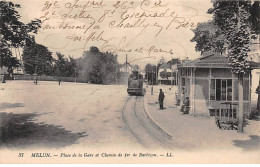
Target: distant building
167, 74
164, 74
19, 70
208, 82
126, 69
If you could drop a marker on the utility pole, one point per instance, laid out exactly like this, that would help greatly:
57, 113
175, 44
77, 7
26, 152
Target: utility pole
152, 84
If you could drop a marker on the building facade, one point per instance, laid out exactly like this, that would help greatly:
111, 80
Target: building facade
166, 75
208, 82
126, 69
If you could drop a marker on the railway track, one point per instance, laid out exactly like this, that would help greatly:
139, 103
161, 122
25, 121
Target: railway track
141, 126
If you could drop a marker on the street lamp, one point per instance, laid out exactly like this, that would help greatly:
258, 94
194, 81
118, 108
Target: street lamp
75, 74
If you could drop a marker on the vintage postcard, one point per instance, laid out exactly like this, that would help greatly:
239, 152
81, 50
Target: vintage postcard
129, 81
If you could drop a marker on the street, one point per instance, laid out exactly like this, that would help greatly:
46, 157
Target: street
51, 116
74, 115
147, 133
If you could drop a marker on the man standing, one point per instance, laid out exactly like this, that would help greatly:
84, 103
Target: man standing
59, 80
161, 98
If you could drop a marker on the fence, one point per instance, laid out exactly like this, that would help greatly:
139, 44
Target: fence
50, 78
226, 116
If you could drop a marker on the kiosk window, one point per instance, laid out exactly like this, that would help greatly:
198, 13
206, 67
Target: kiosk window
221, 89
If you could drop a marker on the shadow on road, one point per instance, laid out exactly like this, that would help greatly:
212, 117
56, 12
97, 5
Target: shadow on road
19, 131
252, 144
152, 104
10, 105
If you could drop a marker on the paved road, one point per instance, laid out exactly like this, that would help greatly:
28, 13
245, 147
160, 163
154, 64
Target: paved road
147, 133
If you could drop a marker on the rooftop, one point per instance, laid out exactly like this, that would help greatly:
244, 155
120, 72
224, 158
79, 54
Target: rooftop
126, 64
215, 60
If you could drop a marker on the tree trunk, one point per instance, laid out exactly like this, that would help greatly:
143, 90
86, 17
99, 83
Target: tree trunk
258, 101
240, 108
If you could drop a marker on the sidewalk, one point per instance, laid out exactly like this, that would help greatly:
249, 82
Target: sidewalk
199, 133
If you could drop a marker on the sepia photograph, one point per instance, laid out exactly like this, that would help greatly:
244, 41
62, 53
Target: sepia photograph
129, 82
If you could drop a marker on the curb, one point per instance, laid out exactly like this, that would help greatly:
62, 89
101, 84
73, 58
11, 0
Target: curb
168, 134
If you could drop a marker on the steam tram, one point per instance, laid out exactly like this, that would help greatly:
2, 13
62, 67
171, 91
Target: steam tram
135, 84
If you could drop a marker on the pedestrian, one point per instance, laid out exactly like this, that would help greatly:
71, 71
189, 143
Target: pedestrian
257, 91
186, 107
187, 102
35, 81
161, 98
3, 78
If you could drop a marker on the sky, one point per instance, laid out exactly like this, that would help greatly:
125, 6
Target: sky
145, 30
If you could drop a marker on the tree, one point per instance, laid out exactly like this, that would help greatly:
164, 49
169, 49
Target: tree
63, 66
13, 33
150, 73
161, 61
98, 67
109, 67
11, 64
233, 20
7, 60
174, 61
37, 59
72, 66
255, 17
60, 65
208, 37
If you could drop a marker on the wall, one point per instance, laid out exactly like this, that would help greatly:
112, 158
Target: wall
49, 78
202, 92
